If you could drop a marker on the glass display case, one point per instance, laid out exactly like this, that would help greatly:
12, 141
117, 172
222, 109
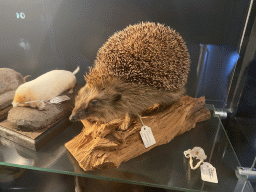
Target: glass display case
39, 36
164, 166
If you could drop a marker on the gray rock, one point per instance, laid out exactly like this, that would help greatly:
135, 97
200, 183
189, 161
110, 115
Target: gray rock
30, 119
9, 80
6, 99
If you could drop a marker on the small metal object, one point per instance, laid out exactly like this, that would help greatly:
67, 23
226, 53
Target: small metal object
249, 172
222, 113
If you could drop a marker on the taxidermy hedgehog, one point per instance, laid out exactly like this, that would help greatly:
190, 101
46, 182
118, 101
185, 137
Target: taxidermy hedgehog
141, 66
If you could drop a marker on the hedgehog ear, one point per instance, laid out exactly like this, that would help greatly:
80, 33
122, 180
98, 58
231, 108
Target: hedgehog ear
117, 97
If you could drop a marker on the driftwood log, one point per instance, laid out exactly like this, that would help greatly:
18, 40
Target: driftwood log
101, 146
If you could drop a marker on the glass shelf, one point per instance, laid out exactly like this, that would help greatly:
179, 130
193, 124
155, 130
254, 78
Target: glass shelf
164, 166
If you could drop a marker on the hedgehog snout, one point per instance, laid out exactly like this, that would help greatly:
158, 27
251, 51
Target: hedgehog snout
73, 118
79, 115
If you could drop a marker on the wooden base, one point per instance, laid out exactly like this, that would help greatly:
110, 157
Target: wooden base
33, 140
101, 146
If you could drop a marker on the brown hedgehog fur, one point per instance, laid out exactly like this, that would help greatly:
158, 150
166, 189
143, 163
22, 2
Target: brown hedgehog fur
146, 53
143, 65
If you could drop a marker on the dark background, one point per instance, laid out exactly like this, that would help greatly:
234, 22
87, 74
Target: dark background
63, 34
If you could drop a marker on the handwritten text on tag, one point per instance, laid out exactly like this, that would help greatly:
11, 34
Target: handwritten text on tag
208, 173
147, 136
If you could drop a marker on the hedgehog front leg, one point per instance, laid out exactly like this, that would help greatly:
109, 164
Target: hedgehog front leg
126, 123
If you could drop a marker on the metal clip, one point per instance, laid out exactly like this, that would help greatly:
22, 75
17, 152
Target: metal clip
221, 113
250, 173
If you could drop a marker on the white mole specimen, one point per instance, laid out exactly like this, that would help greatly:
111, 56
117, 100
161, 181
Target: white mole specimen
44, 88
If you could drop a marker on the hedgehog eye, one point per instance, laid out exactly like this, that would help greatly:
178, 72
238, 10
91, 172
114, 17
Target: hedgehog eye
117, 97
94, 102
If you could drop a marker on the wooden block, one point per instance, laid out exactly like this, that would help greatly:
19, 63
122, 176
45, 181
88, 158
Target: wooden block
33, 140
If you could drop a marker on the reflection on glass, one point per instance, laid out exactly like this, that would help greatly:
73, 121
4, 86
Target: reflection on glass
214, 72
24, 44
20, 15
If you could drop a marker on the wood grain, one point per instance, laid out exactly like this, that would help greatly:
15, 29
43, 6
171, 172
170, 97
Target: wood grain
102, 146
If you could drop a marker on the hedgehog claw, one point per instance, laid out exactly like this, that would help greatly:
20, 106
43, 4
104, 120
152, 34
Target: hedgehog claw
126, 123
124, 126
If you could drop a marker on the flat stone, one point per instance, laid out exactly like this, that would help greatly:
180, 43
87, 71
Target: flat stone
30, 119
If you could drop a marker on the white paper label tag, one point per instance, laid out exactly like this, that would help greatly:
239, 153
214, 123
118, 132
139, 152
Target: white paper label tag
59, 99
147, 136
208, 173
